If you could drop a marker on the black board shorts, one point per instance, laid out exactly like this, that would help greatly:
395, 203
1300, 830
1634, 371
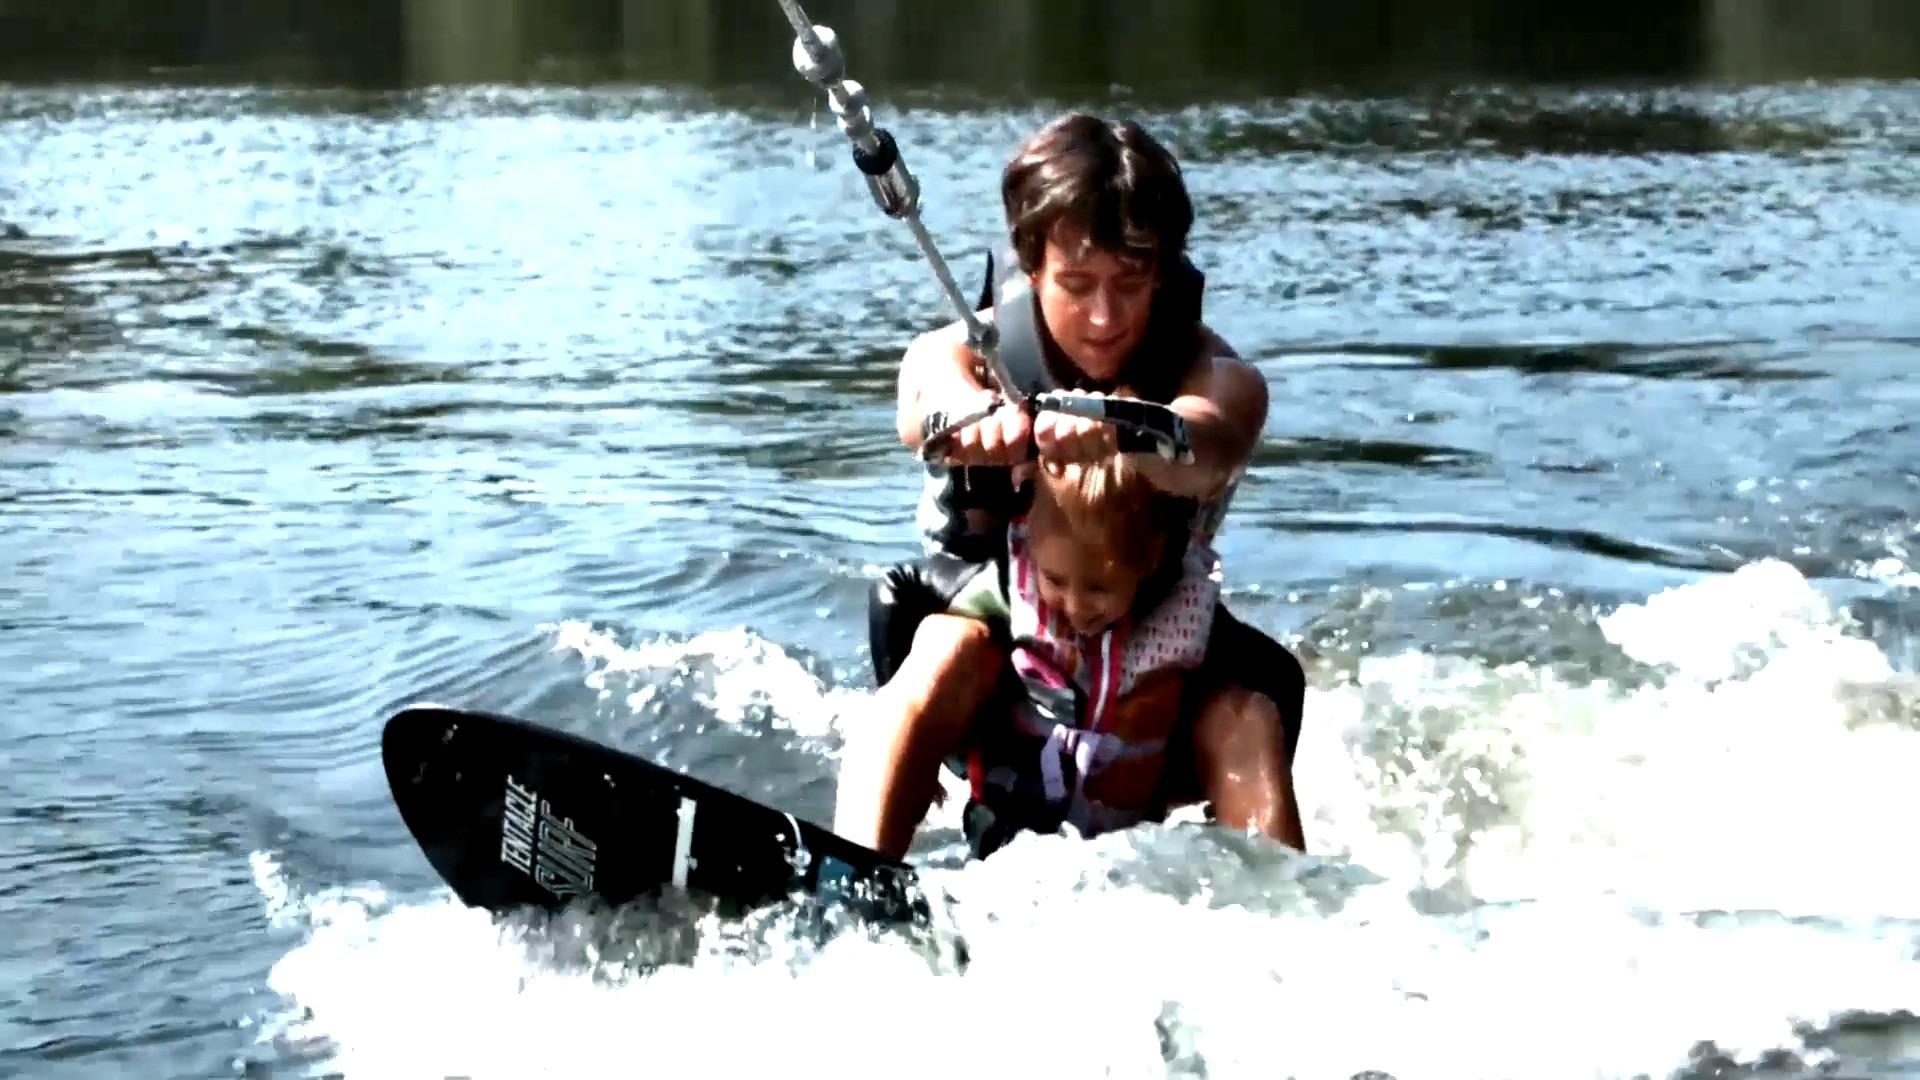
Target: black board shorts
906, 594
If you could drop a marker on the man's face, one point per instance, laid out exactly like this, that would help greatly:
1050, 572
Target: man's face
1095, 303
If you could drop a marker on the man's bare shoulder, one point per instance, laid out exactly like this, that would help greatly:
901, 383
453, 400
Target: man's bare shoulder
1215, 345
1223, 370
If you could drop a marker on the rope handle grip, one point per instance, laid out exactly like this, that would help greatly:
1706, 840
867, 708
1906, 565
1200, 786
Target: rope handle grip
1144, 426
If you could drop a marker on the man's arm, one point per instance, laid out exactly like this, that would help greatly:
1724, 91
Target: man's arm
1224, 404
939, 373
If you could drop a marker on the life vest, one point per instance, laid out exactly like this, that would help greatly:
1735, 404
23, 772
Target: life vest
1085, 743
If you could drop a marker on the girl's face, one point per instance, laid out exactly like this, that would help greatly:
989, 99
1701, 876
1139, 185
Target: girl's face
1081, 582
1095, 303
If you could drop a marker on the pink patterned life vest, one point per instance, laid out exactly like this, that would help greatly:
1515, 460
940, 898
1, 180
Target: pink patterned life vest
1066, 673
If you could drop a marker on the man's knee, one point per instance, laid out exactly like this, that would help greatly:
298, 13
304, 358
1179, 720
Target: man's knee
1242, 659
1242, 742
954, 663
951, 638
1235, 722
956, 646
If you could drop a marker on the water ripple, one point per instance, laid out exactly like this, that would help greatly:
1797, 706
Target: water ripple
577, 404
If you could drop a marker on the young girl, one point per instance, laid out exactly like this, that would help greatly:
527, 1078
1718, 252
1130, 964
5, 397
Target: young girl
1109, 602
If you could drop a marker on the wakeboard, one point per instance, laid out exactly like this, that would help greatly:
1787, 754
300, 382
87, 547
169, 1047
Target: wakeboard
512, 814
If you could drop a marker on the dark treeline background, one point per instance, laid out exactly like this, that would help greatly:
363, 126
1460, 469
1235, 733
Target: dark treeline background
1015, 46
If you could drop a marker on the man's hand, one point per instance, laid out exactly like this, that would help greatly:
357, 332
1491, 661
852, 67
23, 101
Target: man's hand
1224, 405
1064, 439
1000, 439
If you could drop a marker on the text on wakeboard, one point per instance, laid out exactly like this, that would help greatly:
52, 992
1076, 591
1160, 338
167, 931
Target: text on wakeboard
545, 846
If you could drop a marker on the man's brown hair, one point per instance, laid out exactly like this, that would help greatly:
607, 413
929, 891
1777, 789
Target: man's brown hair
1110, 181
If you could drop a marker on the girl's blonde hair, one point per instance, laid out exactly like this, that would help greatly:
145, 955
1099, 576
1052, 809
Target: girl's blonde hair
1108, 504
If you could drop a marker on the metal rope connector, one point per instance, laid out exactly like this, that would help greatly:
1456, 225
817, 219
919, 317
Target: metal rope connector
875, 154
817, 56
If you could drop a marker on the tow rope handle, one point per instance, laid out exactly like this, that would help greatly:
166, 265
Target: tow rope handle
1144, 426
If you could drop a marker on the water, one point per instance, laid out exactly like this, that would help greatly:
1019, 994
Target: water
1589, 494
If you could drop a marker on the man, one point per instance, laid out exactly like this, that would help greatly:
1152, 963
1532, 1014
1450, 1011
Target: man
1098, 217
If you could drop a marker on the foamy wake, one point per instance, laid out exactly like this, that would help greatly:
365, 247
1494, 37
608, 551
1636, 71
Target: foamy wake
1761, 763
1517, 874
735, 674
1897, 567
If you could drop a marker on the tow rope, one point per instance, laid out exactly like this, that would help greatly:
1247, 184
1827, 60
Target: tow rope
1011, 344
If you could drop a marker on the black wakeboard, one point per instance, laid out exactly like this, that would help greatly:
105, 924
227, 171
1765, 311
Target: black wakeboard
512, 814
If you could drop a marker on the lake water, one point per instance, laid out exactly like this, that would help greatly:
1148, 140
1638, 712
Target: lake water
1590, 493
